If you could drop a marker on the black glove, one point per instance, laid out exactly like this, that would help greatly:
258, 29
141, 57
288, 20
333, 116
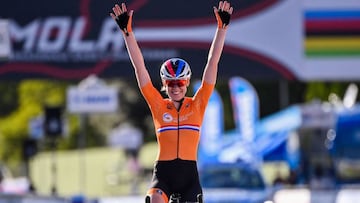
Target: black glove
225, 18
124, 23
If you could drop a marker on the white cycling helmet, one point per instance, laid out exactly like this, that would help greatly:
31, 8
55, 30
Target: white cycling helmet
175, 69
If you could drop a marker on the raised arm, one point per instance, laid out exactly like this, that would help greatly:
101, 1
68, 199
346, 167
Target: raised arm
222, 14
124, 20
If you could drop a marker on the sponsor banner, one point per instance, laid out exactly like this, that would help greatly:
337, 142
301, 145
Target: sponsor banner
285, 120
332, 40
245, 104
92, 95
92, 100
293, 40
73, 39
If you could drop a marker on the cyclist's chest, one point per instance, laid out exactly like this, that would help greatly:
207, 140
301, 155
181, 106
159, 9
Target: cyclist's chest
188, 114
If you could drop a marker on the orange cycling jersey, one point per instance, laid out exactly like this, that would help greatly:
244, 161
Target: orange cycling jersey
177, 132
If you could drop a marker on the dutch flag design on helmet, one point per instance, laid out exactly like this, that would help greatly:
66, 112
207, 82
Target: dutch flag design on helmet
175, 69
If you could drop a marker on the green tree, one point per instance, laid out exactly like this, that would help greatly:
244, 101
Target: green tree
26, 100
321, 90
8, 101
32, 96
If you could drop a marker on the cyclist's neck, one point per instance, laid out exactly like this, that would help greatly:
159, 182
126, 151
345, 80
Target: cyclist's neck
178, 103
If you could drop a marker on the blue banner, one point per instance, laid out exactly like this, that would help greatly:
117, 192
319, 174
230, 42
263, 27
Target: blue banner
345, 141
245, 103
275, 140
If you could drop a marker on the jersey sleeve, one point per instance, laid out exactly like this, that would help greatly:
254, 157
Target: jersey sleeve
203, 94
152, 95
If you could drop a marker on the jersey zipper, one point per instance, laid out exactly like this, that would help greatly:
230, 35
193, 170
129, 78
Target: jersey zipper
178, 134
178, 130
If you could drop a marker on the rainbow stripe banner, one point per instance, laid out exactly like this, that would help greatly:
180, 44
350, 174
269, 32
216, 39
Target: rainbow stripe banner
332, 46
332, 32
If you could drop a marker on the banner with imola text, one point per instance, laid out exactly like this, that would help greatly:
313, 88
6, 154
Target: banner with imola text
70, 40
267, 39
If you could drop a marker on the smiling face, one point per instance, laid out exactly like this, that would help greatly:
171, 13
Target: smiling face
176, 89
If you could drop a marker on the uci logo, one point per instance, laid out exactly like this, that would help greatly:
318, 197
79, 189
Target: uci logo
167, 117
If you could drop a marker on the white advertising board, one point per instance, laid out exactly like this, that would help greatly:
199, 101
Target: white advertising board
5, 44
98, 100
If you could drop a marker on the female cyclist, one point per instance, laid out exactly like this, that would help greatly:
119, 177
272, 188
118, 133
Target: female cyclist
177, 119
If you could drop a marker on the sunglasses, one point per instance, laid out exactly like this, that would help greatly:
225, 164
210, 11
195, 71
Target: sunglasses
173, 83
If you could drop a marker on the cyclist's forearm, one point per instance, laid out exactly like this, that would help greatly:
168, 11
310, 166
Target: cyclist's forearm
137, 59
215, 51
217, 46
